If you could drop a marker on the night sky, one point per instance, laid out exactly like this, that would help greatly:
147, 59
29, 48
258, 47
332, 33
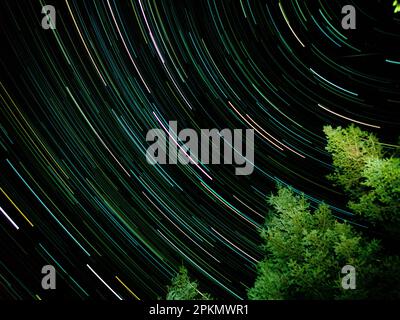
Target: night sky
76, 191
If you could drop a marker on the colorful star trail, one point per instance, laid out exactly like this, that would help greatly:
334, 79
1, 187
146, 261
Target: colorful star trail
76, 190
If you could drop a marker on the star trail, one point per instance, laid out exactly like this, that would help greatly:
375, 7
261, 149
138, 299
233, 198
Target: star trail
77, 101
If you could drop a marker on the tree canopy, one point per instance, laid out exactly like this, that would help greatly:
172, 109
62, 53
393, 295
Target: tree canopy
368, 177
183, 288
306, 247
351, 149
396, 5
306, 250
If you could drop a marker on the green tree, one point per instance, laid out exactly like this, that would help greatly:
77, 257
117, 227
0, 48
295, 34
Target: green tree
371, 180
182, 288
351, 148
305, 252
380, 202
396, 5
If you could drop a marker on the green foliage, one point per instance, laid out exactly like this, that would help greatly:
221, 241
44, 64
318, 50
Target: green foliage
380, 203
371, 181
306, 251
182, 288
351, 149
396, 5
